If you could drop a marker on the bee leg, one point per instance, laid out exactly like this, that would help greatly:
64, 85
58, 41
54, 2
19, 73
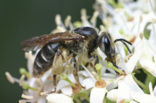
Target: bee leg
78, 85
57, 67
75, 70
93, 61
96, 59
54, 82
76, 67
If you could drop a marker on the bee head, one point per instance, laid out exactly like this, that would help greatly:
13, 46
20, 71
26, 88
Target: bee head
107, 46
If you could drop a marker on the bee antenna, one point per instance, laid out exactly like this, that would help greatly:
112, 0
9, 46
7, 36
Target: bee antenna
124, 42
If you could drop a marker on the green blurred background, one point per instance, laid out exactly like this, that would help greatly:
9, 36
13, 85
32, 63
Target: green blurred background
23, 19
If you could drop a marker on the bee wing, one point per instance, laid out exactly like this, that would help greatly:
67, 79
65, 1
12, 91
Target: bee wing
39, 41
33, 43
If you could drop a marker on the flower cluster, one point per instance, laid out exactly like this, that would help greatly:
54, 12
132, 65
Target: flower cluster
134, 21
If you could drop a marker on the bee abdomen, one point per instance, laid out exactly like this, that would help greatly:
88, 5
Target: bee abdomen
44, 59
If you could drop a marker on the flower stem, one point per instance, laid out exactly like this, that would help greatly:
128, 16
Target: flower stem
110, 65
65, 77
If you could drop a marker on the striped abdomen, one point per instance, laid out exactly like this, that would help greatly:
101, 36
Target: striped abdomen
44, 59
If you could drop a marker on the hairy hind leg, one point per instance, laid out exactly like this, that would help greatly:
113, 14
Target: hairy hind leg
75, 69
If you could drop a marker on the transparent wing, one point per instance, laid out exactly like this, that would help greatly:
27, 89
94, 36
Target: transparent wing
39, 41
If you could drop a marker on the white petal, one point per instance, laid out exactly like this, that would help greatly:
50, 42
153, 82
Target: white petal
101, 53
127, 87
151, 89
152, 38
111, 85
32, 82
112, 95
89, 73
146, 59
144, 98
133, 101
134, 59
83, 73
46, 75
154, 91
67, 91
87, 83
149, 66
30, 60
97, 95
65, 87
61, 84
71, 78
59, 98
41, 100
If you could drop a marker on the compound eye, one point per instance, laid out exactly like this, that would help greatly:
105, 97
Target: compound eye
104, 43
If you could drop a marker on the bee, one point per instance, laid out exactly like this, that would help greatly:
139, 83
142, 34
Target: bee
79, 41
50, 46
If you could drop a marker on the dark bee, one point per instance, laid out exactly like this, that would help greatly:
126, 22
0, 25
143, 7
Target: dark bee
80, 40
51, 46
104, 42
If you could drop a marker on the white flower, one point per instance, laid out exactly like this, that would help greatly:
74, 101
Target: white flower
65, 87
128, 22
112, 95
144, 98
129, 90
59, 98
126, 88
154, 91
130, 65
97, 95
86, 80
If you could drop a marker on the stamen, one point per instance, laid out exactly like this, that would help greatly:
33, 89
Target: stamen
27, 96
